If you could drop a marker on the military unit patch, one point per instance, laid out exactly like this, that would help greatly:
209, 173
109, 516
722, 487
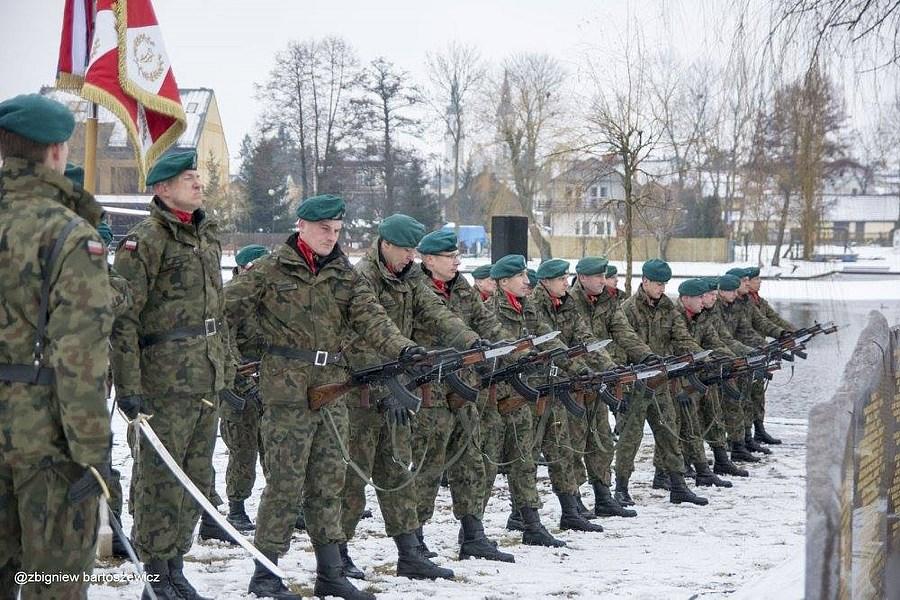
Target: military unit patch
95, 248
131, 245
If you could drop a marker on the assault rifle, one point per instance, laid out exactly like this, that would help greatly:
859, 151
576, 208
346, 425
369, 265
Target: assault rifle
600, 383
512, 374
449, 372
720, 371
793, 343
388, 373
671, 367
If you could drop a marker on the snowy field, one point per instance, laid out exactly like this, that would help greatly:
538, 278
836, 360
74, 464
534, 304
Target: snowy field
748, 543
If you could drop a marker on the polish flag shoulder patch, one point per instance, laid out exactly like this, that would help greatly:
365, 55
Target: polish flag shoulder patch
95, 248
130, 245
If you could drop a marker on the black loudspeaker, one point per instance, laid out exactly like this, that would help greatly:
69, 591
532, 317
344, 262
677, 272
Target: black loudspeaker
509, 235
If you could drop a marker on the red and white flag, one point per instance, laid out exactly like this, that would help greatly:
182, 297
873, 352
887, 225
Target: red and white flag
124, 68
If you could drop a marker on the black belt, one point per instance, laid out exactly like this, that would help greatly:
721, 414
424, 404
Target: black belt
26, 374
320, 358
181, 333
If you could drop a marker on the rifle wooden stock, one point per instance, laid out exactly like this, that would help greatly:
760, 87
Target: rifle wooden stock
540, 406
323, 395
492, 395
508, 405
426, 395
248, 369
454, 401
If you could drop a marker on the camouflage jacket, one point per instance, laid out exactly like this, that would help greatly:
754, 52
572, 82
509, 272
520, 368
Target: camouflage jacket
619, 296
465, 302
174, 270
246, 337
285, 304
606, 320
746, 323
567, 318
66, 420
702, 326
411, 305
658, 325
724, 328
763, 306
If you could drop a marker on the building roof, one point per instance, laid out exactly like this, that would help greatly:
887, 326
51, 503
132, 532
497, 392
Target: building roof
196, 103
861, 208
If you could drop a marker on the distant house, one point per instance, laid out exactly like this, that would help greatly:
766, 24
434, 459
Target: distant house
860, 219
583, 199
117, 171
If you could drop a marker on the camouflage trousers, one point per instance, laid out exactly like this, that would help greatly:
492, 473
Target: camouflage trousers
302, 446
658, 411
241, 433
757, 402
593, 444
41, 532
689, 431
510, 435
712, 418
383, 452
733, 413
551, 434
165, 514
449, 434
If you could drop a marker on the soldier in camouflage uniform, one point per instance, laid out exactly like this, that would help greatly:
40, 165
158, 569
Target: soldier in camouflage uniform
449, 426
755, 282
380, 445
558, 311
171, 358
612, 280
506, 420
239, 422
600, 310
654, 318
54, 425
483, 282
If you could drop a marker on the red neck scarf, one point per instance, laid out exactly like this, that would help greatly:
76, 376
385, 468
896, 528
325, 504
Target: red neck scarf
308, 255
184, 217
689, 313
514, 302
557, 302
484, 296
754, 296
441, 287
611, 292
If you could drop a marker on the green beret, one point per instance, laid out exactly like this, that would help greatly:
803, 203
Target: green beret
592, 265
482, 272
712, 282
752, 272
172, 165
611, 270
105, 232
657, 269
248, 254
37, 118
325, 207
738, 272
555, 267
437, 242
401, 230
729, 283
693, 287
508, 266
532, 277
75, 173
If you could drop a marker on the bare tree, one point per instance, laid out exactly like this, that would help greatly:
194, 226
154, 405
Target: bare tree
384, 112
456, 75
308, 92
528, 108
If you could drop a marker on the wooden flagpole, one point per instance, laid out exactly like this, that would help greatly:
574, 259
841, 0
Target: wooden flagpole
90, 150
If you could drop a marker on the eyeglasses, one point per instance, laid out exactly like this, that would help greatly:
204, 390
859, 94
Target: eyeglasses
452, 255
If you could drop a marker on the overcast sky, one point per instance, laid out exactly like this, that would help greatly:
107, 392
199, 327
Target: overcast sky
228, 45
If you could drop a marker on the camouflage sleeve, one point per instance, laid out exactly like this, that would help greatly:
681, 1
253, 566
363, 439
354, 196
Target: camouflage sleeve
371, 322
764, 325
138, 264
623, 334
772, 314
538, 325
121, 292
710, 340
78, 328
430, 314
681, 339
484, 322
596, 361
730, 342
242, 296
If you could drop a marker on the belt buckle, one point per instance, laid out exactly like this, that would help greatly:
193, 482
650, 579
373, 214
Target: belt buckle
554, 370
321, 358
210, 326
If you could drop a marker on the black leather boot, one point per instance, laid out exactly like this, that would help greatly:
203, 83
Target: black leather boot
583, 510
118, 546
761, 435
689, 471
330, 577
158, 576
723, 465
210, 530
476, 545
350, 569
179, 581
266, 584
514, 522
607, 506
237, 516
622, 496
752, 445
412, 563
571, 518
739, 453
661, 480
680, 492
535, 534
426, 552
300, 523
706, 478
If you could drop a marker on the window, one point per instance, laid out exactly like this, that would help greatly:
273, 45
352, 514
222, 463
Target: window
577, 227
569, 192
604, 191
593, 191
191, 107
609, 228
598, 228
